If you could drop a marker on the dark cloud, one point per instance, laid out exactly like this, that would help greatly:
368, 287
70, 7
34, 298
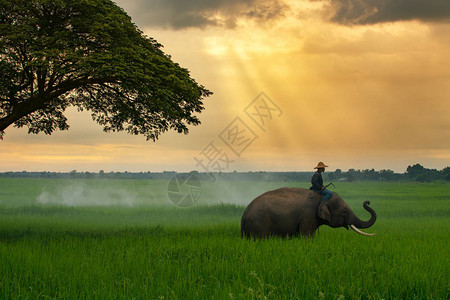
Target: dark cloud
179, 14
379, 11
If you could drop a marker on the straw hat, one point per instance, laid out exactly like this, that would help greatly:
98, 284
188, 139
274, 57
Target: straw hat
320, 165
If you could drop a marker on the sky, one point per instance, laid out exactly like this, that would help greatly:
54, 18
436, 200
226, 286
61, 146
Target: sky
354, 83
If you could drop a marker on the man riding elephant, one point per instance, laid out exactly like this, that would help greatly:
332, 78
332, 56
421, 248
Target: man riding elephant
317, 182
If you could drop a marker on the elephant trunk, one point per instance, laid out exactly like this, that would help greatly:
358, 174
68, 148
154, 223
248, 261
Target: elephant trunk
365, 224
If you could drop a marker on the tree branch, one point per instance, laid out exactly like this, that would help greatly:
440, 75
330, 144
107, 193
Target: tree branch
39, 101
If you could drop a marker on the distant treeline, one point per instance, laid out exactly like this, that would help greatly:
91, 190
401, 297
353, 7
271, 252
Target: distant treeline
416, 173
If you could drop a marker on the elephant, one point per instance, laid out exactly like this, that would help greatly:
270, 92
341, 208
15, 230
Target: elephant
290, 212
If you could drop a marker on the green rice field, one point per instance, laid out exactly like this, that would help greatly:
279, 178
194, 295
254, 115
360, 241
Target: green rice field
124, 239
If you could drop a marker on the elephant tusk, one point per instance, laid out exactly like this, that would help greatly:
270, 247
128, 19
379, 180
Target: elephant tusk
360, 232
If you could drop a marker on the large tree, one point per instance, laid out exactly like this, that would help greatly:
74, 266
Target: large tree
89, 54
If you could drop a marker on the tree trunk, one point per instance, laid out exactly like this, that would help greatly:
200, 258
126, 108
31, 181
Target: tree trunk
5, 122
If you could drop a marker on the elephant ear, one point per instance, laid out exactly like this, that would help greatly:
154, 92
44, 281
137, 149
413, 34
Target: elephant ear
324, 212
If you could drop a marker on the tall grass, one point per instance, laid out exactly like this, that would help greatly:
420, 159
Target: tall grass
163, 252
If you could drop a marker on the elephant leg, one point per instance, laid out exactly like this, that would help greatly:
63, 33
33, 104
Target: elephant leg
308, 233
308, 229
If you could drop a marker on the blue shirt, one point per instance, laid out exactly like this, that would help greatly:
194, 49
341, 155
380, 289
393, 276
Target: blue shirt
317, 182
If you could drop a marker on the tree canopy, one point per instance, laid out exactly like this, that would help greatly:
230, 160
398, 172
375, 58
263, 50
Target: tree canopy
88, 54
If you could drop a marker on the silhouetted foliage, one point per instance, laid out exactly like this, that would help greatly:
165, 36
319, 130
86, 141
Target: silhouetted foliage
415, 170
88, 54
426, 175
